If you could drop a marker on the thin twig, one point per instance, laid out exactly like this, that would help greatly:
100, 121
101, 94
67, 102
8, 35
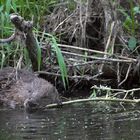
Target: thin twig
87, 77
118, 90
118, 72
86, 63
60, 24
93, 51
94, 99
109, 38
126, 75
100, 58
83, 49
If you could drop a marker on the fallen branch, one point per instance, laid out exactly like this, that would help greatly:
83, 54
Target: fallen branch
100, 58
94, 99
86, 77
82, 49
93, 51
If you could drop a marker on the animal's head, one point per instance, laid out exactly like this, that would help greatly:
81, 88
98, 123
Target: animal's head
30, 104
39, 99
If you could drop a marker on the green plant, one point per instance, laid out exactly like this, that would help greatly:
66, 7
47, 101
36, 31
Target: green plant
60, 60
93, 94
130, 24
26, 9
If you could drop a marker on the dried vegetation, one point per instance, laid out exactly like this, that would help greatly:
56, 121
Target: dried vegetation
99, 40
97, 46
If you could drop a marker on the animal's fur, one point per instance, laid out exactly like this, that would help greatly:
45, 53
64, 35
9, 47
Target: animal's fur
23, 89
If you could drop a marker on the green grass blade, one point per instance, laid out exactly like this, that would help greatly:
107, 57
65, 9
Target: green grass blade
61, 62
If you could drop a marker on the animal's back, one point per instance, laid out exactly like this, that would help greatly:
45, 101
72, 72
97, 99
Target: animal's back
26, 86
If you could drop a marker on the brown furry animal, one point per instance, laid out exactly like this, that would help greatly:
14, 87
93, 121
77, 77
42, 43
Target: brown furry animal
22, 88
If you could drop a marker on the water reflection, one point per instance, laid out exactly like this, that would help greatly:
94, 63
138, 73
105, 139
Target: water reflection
82, 122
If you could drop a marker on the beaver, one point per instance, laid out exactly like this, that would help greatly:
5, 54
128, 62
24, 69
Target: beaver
22, 88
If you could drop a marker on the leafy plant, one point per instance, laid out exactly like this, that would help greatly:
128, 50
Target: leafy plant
132, 43
27, 9
131, 24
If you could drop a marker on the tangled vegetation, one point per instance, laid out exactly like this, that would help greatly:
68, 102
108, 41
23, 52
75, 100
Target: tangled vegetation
86, 42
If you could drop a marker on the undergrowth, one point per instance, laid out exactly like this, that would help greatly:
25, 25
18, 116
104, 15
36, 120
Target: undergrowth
131, 23
11, 54
69, 26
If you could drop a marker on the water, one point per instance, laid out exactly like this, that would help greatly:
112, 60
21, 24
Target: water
73, 122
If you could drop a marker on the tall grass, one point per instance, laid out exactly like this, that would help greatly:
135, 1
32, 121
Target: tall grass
10, 53
61, 62
59, 56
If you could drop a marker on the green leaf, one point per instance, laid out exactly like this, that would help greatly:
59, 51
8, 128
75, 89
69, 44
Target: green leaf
1, 8
60, 59
136, 10
127, 23
93, 95
8, 6
61, 62
132, 43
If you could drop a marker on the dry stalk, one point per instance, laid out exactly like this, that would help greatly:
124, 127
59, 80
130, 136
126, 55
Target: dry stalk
118, 72
61, 23
95, 100
118, 91
100, 58
111, 26
84, 77
94, 51
128, 71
